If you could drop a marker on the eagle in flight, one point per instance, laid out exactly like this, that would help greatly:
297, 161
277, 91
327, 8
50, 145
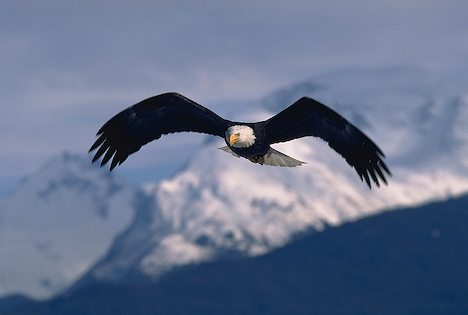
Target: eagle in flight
166, 113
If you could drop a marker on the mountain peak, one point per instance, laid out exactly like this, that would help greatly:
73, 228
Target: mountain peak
58, 222
220, 203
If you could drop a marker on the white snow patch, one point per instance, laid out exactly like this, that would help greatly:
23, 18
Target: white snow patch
173, 250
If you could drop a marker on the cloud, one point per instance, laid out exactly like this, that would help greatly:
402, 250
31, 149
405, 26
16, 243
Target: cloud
66, 67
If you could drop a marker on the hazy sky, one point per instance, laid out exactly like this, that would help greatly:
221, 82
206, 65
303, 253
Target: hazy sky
67, 66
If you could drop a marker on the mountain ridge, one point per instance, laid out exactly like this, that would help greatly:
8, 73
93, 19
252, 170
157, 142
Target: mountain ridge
233, 205
218, 205
57, 222
403, 261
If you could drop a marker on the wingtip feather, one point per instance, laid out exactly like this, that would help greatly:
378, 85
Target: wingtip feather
108, 155
113, 164
98, 142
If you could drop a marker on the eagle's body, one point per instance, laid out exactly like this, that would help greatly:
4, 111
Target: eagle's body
251, 141
139, 124
248, 140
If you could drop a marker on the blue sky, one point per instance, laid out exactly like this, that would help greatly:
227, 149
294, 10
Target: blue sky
67, 66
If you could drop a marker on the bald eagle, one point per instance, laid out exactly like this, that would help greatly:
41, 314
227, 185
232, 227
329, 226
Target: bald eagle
166, 113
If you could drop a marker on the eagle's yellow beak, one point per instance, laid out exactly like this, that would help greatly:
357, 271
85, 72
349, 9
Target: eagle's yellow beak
233, 138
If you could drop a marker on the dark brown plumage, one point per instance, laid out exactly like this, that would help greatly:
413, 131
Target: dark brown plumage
139, 124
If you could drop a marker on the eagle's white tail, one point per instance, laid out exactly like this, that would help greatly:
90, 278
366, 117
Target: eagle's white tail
272, 157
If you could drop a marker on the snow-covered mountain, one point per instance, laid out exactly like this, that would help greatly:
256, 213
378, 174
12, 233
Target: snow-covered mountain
57, 223
220, 203
71, 219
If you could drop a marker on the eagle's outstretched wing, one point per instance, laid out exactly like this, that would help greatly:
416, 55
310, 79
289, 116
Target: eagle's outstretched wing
146, 121
307, 117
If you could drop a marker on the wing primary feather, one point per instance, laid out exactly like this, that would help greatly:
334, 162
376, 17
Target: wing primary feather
366, 177
101, 130
380, 152
108, 155
374, 177
360, 174
119, 157
381, 175
101, 150
385, 168
114, 163
123, 159
98, 142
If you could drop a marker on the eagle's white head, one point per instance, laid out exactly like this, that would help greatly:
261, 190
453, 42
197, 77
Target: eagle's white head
240, 136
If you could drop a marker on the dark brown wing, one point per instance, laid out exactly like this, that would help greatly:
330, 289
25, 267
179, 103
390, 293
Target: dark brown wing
307, 117
146, 121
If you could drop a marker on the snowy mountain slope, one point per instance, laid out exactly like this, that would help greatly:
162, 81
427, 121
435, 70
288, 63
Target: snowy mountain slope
70, 216
57, 223
408, 111
220, 203
390, 263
